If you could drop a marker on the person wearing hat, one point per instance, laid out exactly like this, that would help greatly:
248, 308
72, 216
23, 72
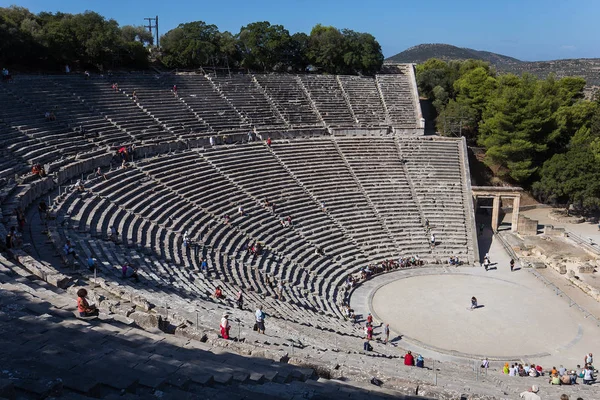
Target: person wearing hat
225, 326
531, 394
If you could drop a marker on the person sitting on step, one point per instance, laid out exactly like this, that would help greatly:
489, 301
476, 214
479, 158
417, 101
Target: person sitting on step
218, 293
83, 307
128, 271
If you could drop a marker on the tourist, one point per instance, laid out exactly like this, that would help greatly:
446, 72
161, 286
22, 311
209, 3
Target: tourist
473, 302
240, 210
432, 240
565, 379
211, 140
427, 223
269, 141
203, 265
505, 370
43, 210
564, 397
91, 262
226, 219
186, 239
175, 90
420, 363
10, 238
84, 308
369, 330
588, 375
100, 174
369, 319
562, 370
588, 359
240, 300
367, 346
134, 95
386, 332
323, 208
250, 138
554, 379
279, 293
531, 394
409, 359
573, 376
486, 263
69, 250
512, 265
485, 363
513, 370
128, 271
113, 234
218, 293
533, 372
20, 218
260, 320
225, 326
79, 186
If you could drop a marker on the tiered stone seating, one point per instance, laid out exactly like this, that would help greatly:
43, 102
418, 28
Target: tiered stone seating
399, 100
30, 136
435, 167
155, 96
117, 107
365, 100
70, 109
320, 169
208, 104
250, 100
378, 166
328, 98
290, 99
248, 167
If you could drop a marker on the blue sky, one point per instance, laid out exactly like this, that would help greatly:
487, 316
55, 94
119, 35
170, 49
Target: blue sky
526, 29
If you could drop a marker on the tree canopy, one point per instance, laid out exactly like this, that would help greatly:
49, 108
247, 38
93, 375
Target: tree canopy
50, 41
260, 46
539, 133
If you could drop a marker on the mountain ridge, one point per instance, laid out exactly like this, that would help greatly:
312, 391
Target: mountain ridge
586, 68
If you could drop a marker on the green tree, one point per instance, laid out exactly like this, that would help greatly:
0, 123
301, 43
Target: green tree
265, 47
571, 178
191, 45
326, 49
140, 34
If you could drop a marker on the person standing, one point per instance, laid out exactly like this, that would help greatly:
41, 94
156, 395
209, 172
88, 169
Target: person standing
260, 320
512, 265
386, 332
240, 300
225, 326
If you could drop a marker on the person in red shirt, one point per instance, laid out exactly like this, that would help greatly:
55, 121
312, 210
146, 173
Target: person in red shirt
84, 308
409, 359
269, 142
369, 318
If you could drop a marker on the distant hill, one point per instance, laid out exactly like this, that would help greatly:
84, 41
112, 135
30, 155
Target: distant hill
423, 52
587, 68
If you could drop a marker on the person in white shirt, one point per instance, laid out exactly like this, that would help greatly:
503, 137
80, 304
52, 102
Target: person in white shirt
513, 370
225, 326
531, 394
485, 363
432, 240
260, 320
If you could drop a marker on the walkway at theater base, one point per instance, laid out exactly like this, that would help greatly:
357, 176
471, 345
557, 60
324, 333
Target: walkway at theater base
520, 319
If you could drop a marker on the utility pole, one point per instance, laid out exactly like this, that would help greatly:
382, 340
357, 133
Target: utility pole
153, 24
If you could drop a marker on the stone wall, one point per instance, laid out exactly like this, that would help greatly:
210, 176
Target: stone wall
527, 226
